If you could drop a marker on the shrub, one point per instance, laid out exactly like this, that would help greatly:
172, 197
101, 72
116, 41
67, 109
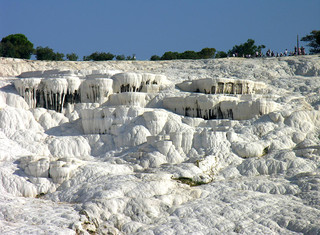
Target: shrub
155, 57
16, 46
120, 57
72, 57
247, 48
221, 54
46, 53
314, 41
99, 56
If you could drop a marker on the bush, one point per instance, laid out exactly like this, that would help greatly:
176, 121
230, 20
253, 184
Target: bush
314, 41
221, 54
72, 57
16, 46
46, 53
169, 55
99, 56
191, 55
155, 57
247, 48
120, 57
205, 53
133, 57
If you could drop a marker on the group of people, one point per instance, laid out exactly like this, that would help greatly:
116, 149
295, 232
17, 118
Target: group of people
297, 51
269, 53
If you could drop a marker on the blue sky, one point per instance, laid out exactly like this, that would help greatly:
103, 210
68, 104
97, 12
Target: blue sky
148, 27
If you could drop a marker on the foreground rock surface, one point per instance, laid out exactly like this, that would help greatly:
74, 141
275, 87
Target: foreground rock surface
219, 146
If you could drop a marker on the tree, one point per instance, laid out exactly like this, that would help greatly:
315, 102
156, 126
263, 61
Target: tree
247, 48
59, 56
155, 57
314, 41
99, 56
120, 57
221, 54
16, 46
192, 55
133, 57
207, 53
46, 53
169, 55
72, 57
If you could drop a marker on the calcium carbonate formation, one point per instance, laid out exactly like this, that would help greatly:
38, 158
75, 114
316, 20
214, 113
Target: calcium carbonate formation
221, 98
222, 86
56, 89
110, 152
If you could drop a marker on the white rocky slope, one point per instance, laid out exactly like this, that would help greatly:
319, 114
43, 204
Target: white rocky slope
128, 151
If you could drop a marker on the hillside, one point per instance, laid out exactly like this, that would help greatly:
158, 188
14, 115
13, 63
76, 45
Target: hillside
219, 146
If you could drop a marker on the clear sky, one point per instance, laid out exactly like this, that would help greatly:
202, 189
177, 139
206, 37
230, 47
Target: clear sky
149, 27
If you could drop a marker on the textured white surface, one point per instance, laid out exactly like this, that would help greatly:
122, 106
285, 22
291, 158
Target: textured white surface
120, 164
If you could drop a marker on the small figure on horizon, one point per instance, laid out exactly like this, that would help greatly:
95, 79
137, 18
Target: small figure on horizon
286, 52
268, 53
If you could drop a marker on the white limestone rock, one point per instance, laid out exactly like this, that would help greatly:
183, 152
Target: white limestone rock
140, 159
96, 90
248, 150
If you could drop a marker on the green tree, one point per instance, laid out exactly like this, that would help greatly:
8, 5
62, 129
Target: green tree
207, 53
192, 55
46, 53
72, 57
16, 46
133, 57
247, 48
59, 56
221, 54
99, 56
155, 57
169, 55
120, 57
314, 41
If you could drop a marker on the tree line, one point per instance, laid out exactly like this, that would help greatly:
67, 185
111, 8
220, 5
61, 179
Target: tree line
18, 46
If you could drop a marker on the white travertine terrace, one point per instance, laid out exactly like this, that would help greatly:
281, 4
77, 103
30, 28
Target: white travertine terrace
224, 98
222, 86
55, 89
218, 106
105, 120
135, 82
95, 90
132, 165
27, 88
130, 99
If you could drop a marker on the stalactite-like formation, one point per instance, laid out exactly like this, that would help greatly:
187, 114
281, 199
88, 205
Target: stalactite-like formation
222, 86
222, 99
55, 89
218, 107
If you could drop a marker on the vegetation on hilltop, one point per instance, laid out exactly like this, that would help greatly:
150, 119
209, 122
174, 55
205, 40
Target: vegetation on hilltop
18, 46
205, 53
46, 53
247, 48
314, 41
